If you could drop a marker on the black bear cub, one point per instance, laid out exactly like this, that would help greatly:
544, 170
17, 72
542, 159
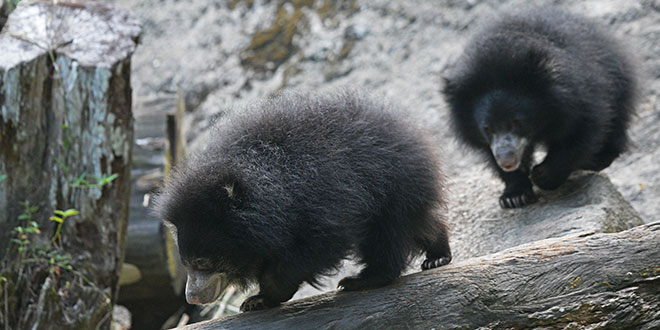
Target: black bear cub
545, 78
287, 189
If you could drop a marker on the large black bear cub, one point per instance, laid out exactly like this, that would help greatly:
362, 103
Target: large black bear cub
287, 189
545, 78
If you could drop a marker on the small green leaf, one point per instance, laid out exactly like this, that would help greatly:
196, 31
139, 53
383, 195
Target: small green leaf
111, 177
64, 126
33, 208
56, 219
3, 279
34, 224
24, 216
70, 212
3, 177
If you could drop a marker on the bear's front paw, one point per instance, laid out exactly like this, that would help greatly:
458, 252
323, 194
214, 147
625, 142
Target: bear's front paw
256, 303
517, 199
545, 178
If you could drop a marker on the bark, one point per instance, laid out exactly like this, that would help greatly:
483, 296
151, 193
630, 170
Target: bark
573, 282
65, 99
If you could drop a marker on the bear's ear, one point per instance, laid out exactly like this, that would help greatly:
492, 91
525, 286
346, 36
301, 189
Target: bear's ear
229, 188
234, 193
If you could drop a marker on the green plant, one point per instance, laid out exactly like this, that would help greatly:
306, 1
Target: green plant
23, 233
11, 4
48, 254
104, 179
59, 217
54, 258
3, 177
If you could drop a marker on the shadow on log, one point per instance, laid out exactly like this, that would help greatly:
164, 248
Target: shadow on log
578, 281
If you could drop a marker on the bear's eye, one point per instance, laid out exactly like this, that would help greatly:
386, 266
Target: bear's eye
202, 264
486, 128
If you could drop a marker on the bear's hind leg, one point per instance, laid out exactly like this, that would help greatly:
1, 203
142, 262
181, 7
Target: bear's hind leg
614, 145
435, 240
385, 256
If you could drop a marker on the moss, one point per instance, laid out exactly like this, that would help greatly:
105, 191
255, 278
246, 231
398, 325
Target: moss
234, 3
575, 282
290, 71
330, 8
585, 314
345, 49
274, 45
613, 227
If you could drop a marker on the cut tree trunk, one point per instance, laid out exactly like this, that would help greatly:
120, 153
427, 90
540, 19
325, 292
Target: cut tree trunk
66, 133
573, 282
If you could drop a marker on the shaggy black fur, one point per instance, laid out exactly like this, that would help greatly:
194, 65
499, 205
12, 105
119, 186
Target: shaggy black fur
543, 78
287, 189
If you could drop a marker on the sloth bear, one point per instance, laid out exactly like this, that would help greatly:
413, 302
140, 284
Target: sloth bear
545, 78
287, 189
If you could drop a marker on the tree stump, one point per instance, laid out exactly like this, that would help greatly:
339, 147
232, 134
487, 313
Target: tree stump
580, 281
66, 133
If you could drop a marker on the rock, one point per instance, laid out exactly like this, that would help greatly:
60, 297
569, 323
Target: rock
588, 202
121, 318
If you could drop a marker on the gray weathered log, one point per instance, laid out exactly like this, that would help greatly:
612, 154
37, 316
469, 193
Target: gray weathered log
65, 100
577, 281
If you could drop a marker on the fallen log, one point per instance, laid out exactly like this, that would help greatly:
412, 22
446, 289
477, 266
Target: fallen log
577, 281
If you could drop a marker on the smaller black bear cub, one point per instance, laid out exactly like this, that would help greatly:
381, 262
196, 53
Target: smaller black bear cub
287, 189
544, 78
